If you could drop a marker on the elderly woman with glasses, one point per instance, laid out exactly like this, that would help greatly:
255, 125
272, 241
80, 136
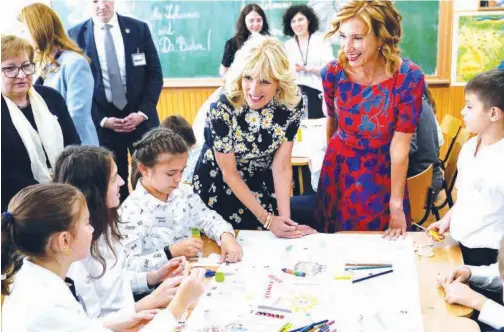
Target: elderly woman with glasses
36, 125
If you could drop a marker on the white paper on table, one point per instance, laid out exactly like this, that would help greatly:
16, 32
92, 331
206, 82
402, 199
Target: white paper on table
212, 260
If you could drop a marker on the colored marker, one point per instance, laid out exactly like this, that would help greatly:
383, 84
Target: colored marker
295, 273
286, 327
195, 232
372, 276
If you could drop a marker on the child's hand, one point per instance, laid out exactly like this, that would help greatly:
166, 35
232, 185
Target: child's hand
231, 251
189, 247
132, 323
164, 293
173, 268
442, 226
191, 288
462, 274
459, 293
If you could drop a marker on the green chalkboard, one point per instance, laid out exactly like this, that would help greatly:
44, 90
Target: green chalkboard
190, 35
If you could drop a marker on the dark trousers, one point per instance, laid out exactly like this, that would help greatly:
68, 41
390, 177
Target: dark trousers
478, 256
315, 98
120, 144
302, 210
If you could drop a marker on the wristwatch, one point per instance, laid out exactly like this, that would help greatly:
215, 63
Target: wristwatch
168, 252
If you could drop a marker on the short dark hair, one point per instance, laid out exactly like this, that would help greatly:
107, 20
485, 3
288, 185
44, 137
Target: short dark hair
180, 126
89, 169
153, 144
313, 21
489, 87
35, 214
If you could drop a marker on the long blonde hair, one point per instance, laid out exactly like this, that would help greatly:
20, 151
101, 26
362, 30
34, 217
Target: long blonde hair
264, 58
382, 19
47, 31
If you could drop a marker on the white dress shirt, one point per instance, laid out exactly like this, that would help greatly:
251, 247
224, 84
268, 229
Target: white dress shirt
319, 54
40, 301
111, 295
487, 277
99, 35
148, 224
478, 214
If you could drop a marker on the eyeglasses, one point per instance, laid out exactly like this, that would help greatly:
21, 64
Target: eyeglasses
13, 71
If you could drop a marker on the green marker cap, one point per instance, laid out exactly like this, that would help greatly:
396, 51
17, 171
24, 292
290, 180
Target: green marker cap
219, 276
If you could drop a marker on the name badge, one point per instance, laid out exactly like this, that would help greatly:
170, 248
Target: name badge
138, 59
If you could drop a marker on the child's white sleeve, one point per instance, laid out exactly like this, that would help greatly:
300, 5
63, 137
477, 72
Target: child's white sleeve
209, 221
135, 237
486, 277
492, 314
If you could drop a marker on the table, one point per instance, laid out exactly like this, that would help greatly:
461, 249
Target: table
447, 256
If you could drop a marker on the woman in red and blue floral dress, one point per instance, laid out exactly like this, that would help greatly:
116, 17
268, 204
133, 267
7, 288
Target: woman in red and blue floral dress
374, 100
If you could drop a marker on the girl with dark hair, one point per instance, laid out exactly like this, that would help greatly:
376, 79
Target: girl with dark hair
308, 52
106, 289
49, 225
159, 214
252, 20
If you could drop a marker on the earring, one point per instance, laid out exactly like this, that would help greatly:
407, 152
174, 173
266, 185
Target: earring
68, 252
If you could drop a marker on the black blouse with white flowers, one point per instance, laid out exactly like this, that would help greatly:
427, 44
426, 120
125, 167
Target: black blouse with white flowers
253, 136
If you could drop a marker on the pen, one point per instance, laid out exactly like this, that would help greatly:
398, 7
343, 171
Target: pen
309, 326
372, 276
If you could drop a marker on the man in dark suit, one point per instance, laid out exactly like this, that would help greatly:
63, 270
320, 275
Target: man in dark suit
128, 79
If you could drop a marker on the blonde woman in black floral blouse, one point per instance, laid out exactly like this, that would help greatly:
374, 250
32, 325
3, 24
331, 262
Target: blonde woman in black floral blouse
244, 171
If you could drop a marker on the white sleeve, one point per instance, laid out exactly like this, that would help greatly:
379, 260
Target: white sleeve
212, 224
62, 319
492, 314
134, 235
486, 277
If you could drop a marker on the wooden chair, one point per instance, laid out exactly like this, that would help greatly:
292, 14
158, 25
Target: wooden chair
450, 173
450, 127
421, 195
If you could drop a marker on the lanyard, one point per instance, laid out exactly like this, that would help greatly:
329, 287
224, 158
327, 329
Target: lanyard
305, 62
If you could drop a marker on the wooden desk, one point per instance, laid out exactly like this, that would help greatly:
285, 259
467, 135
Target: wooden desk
445, 259
438, 323
299, 162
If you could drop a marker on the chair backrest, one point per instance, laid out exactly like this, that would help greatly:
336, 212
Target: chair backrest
451, 164
450, 127
419, 189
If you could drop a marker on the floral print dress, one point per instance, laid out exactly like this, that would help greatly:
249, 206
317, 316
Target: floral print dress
253, 136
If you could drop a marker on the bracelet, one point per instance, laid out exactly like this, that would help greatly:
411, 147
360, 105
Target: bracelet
269, 219
261, 219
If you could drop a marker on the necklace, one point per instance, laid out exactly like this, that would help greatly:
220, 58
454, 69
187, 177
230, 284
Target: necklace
305, 61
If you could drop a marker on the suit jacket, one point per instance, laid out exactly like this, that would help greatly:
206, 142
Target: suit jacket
143, 83
16, 165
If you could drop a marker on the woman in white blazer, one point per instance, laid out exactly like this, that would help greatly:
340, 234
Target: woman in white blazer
49, 225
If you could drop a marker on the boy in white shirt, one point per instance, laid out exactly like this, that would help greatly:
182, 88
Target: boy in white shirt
158, 215
489, 277
476, 220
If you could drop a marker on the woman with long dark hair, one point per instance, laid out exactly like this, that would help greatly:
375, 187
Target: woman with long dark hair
252, 20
